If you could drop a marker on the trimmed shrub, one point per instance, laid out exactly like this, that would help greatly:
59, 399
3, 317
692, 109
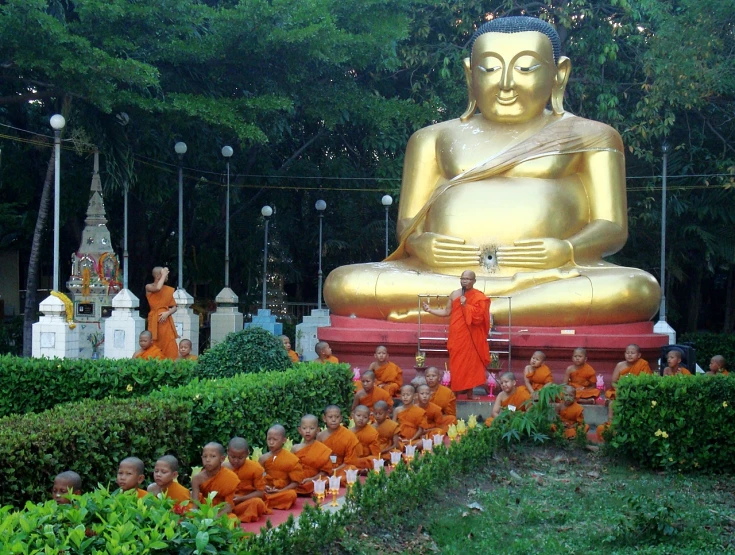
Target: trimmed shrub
676, 422
247, 351
39, 384
711, 344
248, 404
90, 438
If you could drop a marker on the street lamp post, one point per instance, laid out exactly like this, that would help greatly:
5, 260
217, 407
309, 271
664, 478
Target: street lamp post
267, 212
662, 326
57, 123
320, 206
180, 149
386, 201
227, 153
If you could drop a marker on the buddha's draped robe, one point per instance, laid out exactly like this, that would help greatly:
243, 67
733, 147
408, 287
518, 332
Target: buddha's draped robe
251, 479
367, 448
540, 377
573, 416
152, 352
225, 483
584, 380
314, 459
409, 421
469, 354
640, 366
386, 432
282, 469
164, 334
519, 398
389, 377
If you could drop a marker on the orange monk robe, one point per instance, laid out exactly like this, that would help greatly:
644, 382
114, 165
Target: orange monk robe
683, 372
314, 459
190, 357
409, 421
179, 494
386, 432
389, 377
150, 353
573, 416
343, 444
224, 483
433, 420
367, 450
640, 366
519, 399
280, 471
540, 377
293, 355
447, 401
469, 354
141, 493
251, 479
584, 379
377, 394
331, 360
164, 335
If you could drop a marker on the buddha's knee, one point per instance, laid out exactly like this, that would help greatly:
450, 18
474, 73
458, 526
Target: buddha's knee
630, 295
350, 290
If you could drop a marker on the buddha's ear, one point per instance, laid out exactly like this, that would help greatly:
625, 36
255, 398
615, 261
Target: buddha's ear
471, 101
563, 69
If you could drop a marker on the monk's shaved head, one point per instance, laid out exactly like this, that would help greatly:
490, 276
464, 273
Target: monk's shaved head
147, 334
570, 390
157, 271
634, 346
422, 386
171, 461
540, 354
380, 405
407, 388
238, 444
332, 407
433, 370
217, 446
508, 376
719, 360
362, 408
675, 353
136, 463
309, 419
71, 478
277, 429
368, 374
581, 350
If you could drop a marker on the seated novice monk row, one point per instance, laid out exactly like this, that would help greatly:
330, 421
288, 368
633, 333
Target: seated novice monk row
130, 475
571, 413
165, 473
324, 353
537, 374
313, 455
512, 397
340, 440
283, 472
582, 377
147, 349
215, 479
632, 365
673, 364
369, 394
66, 483
292, 355
409, 417
433, 417
388, 375
387, 430
367, 449
717, 366
442, 396
248, 501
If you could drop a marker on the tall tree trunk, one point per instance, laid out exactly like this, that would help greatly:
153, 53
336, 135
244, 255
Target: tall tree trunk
29, 314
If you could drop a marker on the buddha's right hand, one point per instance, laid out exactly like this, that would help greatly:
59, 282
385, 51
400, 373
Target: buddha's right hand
442, 250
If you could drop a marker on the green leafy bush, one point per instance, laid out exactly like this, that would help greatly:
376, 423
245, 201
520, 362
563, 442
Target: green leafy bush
648, 520
90, 438
711, 344
101, 522
248, 404
247, 351
39, 384
681, 422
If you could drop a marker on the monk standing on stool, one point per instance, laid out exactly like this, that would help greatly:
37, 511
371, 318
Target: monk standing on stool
469, 324
161, 300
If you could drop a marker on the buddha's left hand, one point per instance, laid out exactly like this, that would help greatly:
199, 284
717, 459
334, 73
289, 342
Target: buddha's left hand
536, 253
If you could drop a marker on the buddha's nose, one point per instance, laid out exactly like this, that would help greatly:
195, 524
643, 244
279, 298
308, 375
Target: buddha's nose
506, 82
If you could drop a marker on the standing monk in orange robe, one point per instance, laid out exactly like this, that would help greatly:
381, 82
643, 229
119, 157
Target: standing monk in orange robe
469, 324
368, 394
248, 501
512, 397
537, 374
409, 417
442, 396
388, 375
283, 472
582, 377
367, 449
340, 440
387, 430
215, 478
147, 351
161, 300
313, 454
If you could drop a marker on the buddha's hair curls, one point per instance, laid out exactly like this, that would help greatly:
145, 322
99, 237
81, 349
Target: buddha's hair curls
519, 24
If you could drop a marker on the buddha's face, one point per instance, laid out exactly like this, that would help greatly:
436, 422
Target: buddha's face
512, 75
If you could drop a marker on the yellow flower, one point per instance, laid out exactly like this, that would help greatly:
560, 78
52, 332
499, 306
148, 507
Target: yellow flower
671, 459
696, 464
658, 433
664, 435
724, 404
197, 397
129, 388
653, 403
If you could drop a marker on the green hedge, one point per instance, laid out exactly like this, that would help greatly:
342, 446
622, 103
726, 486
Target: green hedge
90, 438
682, 422
39, 384
248, 404
711, 344
247, 351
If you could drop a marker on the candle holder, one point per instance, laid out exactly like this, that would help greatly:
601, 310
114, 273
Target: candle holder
428, 445
319, 486
438, 440
461, 427
351, 476
334, 489
410, 452
378, 465
395, 458
452, 432
333, 458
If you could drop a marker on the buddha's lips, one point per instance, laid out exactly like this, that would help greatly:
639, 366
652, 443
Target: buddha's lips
506, 101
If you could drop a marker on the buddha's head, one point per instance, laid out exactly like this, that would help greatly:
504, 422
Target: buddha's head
515, 69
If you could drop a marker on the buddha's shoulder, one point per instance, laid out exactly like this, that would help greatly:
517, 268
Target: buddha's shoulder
436, 130
603, 133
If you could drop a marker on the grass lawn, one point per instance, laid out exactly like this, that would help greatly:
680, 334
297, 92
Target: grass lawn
550, 500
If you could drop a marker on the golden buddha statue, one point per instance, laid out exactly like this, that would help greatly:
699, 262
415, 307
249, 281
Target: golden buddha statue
528, 198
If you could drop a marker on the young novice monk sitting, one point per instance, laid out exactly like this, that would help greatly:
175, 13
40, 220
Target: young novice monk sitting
571, 413
387, 430
582, 377
215, 478
283, 472
185, 346
368, 394
340, 440
433, 417
537, 374
164, 481
388, 375
367, 448
512, 397
66, 483
130, 474
313, 455
248, 500
673, 366
409, 417
147, 349
293, 355
717, 366
633, 365
442, 396
324, 353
